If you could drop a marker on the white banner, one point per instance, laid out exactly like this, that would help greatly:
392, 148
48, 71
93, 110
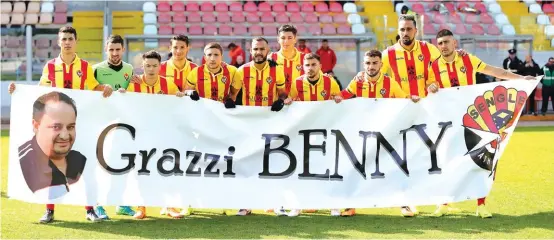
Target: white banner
157, 150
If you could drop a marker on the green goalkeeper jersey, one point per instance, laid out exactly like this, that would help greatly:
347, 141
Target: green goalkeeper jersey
116, 76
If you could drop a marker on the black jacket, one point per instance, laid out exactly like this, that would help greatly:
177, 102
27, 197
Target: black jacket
512, 65
534, 70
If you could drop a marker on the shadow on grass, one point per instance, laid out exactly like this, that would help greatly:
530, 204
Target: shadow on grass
309, 226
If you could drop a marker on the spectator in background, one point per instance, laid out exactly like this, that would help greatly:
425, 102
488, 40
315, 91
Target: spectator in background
406, 10
234, 52
327, 56
530, 68
302, 46
512, 63
548, 85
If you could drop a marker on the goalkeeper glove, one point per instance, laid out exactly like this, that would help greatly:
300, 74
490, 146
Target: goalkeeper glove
194, 96
229, 103
277, 105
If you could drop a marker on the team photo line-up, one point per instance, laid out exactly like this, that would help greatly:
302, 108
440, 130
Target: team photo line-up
408, 69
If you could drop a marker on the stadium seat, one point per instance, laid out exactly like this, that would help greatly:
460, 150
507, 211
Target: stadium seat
324, 18
60, 7
19, 7
358, 28
427, 19
529, 2
178, 7
344, 29
210, 30
60, 18
235, 7
472, 18
17, 19
208, 17
321, 7
179, 29
209, 7
163, 7
543, 19
429, 29
329, 29
5, 19
237, 17
45, 18
179, 17
314, 29
354, 18
149, 18
456, 18
194, 17
494, 8
264, 7
508, 29
165, 30
221, 7
350, 8
462, 5
193, 7
225, 30
340, 18
418, 8
335, 7
477, 29
439, 18
548, 8
450, 7
444, 26
33, 7
535, 8
501, 19
460, 29
6, 7
164, 17
486, 19
270, 30
293, 7
278, 7
481, 7
255, 30
493, 30
146, 7
31, 18
552, 43
223, 17
195, 30
549, 30
301, 28
150, 30
266, 17
250, 7
240, 30
42, 53
310, 18
13, 42
296, 18
282, 18
307, 7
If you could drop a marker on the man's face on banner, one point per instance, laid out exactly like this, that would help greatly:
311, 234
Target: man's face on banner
55, 131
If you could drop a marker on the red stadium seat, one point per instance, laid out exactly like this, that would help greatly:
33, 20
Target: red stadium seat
301, 28
344, 29
255, 30
429, 29
444, 26
310, 18
335, 7
296, 18
282, 18
60, 18
43, 43
486, 19
179, 29
314, 29
307, 7
208, 17
178, 7
179, 17
439, 18
264, 7
192, 7
418, 8
165, 30
278, 7
225, 30
293, 7
164, 17
237, 17
329, 29
324, 18
60, 7
240, 30
195, 30
450, 7
235, 7
42, 53
427, 19
462, 5
460, 29
207, 7
321, 7
210, 30
493, 30
481, 7
270, 30
340, 18
223, 17
221, 7
164, 7
472, 18
194, 17
250, 7
254, 19
548, 8
455, 18
477, 29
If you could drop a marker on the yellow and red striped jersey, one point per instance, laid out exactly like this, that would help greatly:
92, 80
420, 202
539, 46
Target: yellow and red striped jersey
384, 87
460, 72
293, 67
259, 87
325, 88
162, 86
177, 76
410, 68
213, 86
77, 75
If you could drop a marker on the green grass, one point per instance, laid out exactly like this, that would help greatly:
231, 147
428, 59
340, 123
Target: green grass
521, 202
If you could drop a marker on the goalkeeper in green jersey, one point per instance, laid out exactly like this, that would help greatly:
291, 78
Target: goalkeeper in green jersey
117, 74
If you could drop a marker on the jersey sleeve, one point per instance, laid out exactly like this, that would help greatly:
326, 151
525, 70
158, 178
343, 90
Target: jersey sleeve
44, 81
238, 79
280, 75
431, 77
352, 86
434, 51
293, 91
172, 89
335, 89
385, 69
91, 81
235, 83
396, 90
192, 77
131, 87
477, 64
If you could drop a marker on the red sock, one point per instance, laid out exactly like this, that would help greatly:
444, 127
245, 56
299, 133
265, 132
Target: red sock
50, 206
480, 201
88, 208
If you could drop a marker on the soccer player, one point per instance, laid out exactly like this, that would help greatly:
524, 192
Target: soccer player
215, 79
453, 70
288, 56
71, 72
312, 86
178, 67
117, 74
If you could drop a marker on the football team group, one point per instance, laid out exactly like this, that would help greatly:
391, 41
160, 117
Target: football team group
408, 69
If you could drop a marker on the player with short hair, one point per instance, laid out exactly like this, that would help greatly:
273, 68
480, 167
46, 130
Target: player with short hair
453, 70
288, 56
178, 67
71, 72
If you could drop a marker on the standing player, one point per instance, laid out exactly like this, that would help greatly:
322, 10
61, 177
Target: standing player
71, 72
453, 70
215, 79
117, 74
288, 56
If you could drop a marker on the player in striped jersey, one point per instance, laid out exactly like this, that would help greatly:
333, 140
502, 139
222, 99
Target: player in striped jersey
453, 70
288, 56
178, 67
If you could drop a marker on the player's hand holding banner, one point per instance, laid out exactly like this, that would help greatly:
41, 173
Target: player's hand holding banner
360, 153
